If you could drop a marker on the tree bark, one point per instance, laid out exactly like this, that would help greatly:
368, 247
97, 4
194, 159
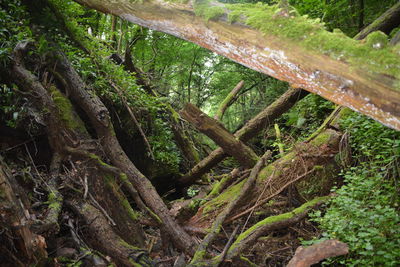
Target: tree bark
100, 119
15, 223
263, 120
221, 136
296, 166
102, 237
305, 257
252, 42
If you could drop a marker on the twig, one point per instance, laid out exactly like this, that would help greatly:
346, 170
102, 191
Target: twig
262, 202
102, 210
228, 244
133, 119
229, 208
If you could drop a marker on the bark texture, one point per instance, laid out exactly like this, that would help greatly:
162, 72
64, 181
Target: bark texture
308, 256
220, 135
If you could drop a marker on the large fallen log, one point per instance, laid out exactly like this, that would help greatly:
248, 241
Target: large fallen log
262, 121
312, 161
220, 135
361, 75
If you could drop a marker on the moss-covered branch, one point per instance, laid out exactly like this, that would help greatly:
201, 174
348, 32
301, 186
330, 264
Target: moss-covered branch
271, 223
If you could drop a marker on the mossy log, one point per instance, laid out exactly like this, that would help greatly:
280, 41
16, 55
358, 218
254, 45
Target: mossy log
220, 135
309, 161
364, 76
261, 121
271, 223
217, 224
101, 236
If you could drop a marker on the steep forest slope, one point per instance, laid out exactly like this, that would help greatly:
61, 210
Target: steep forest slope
124, 146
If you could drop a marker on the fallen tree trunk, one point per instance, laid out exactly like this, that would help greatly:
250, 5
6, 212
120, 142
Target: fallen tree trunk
220, 135
262, 121
312, 161
287, 47
305, 257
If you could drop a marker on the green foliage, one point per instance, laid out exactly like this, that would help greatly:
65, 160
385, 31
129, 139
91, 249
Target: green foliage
13, 28
365, 212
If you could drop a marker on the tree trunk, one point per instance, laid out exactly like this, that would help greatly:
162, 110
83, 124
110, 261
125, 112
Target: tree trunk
312, 162
99, 117
385, 23
262, 121
221, 136
289, 48
228, 101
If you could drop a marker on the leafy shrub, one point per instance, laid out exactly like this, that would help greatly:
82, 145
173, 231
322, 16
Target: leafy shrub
364, 214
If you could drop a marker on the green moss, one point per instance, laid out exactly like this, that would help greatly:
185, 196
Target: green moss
312, 35
99, 160
322, 138
65, 109
216, 189
198, 257
54, 201
230, 194
132, 214
207, 10
377, 40
277, 218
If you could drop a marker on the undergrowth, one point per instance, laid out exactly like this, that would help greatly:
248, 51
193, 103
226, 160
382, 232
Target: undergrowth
365, 212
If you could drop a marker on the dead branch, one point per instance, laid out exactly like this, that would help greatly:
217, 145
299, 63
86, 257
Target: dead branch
307, 256
217, 224
217, 132
250, 236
